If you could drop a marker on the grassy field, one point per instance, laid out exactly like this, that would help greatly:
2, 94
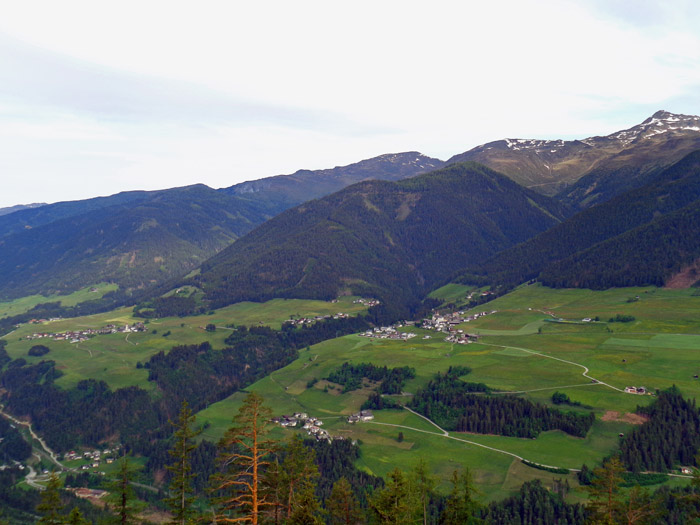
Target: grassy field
451, 293
520, 349
524, 347
113, 357
24, 304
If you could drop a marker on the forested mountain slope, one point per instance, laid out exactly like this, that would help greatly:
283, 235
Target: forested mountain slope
675, 188
134, 243
139, 238
663, 252
592, 170
393, 240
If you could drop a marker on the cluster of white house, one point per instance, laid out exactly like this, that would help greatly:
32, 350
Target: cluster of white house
388, 332
636, 390
447, 322
362, 415
367, 302
311, 320
93, 457
77, 336
311, 424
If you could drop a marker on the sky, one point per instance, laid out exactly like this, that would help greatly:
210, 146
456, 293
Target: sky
99, 97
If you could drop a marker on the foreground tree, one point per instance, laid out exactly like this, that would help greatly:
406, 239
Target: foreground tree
243, 453
606, 504
425, 485
299, 476
121, 494
76, 518
342, 505
461, 506
181, 499
50, 505
396, 503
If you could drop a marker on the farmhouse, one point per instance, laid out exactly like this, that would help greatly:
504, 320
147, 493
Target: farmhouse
362, 415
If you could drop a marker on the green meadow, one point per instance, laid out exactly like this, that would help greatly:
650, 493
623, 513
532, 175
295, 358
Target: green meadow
24, 304
520, 349
534, 344
113, 357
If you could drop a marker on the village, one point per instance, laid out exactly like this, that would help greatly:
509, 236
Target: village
311, 424
447, 323
78, 336
93, 458
311, 320
388, 332
369, 303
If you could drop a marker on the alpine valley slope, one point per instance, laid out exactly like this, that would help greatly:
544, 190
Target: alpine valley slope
140, 238
642, 237
592, 170
391, 240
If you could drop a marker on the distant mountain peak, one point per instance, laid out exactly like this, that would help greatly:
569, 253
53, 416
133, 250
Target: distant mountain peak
550, 166
303, 185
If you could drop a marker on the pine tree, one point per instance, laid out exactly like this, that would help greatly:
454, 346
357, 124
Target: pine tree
342, 505
461, 506
50, 505
122, 495
307, 509
396, 504
299, 475
639, 508
242, 456
605, 502
425, 484
273, 489
76, 518
180, 500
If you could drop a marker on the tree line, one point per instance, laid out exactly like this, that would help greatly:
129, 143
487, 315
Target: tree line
391, 380
467, 407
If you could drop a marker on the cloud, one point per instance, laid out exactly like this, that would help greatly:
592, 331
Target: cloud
37, 80
159, 94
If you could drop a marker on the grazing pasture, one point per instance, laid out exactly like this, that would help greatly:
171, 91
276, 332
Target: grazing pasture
523, 348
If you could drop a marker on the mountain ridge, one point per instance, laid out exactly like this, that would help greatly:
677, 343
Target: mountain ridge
387, 239
587, 171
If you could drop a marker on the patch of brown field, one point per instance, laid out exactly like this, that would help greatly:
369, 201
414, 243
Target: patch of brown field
687, 277
627, 417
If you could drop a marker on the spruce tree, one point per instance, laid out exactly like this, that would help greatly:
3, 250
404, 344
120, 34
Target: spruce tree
50, 505
461, 506
396, 504
121, 494
299, 476
605, 500
76, 518
425, 484
180, 500
342, 505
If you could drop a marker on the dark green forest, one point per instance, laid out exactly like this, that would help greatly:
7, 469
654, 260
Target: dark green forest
393, 241
468, 407
674, 190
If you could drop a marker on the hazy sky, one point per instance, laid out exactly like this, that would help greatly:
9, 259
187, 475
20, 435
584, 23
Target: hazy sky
98, 97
